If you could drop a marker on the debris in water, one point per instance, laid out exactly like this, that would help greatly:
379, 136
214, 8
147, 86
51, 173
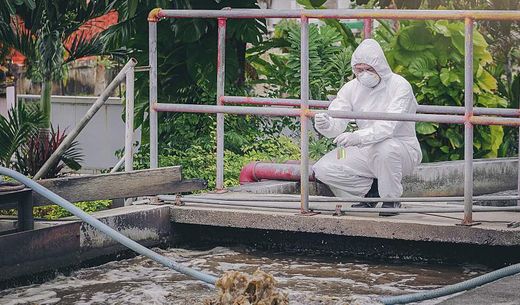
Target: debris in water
238, 288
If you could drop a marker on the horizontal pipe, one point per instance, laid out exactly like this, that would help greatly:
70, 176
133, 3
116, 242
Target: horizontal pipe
378, 116
256, 171
289, 198
226, 109
345, 14
278, 111
432, 109
321, 207
246, 100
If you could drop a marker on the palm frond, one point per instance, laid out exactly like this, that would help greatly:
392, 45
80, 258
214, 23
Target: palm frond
22, 122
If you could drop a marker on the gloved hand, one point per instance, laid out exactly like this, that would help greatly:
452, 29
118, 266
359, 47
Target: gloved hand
348, 139
322, 121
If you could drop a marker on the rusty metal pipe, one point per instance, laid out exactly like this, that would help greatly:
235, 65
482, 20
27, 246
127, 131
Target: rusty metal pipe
314, 206
294, 198
431, 109
381, 116
345, 14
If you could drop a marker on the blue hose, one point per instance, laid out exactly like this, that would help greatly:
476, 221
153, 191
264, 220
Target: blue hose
451, 289
106, 229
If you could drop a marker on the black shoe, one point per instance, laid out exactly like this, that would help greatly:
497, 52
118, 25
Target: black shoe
373, 192
364, 205
389, 205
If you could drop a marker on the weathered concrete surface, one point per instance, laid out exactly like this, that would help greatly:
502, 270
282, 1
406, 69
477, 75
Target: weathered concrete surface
502, 292
447, 178
69, 243
423, 228
410, 227
429, 179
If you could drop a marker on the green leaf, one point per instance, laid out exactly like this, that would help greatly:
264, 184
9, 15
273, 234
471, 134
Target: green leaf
132, 7
415, 38
486, 81
455, 138
490, 100
311, 3
426, 128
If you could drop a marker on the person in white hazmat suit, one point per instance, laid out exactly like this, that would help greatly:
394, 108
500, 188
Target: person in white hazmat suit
385, 150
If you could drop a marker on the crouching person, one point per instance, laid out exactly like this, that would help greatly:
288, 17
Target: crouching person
385, 150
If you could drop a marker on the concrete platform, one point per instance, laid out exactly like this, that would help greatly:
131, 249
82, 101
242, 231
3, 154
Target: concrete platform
413, 237
493, 229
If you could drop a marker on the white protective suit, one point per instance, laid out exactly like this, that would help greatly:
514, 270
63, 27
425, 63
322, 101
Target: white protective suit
388, 149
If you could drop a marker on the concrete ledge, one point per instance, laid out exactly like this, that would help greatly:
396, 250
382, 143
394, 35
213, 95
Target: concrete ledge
403, 227
72, 243
429, 179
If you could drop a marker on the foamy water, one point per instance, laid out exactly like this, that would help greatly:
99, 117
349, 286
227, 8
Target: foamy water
309, 280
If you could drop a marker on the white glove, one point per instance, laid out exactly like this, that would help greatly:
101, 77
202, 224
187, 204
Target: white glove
322, 121
348, 139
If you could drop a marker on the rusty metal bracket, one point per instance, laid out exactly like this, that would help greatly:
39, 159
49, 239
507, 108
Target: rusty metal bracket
155, 200
338, 211
178, 201
307, 213
469, 224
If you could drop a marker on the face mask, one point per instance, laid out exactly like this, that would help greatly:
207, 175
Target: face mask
368, 79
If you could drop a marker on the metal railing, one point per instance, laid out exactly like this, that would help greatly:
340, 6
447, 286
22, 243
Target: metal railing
466, 115
126, 73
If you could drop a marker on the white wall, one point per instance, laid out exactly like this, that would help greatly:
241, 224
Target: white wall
102, 136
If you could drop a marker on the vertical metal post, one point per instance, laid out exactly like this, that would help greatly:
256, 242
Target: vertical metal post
367, 28
304, 120
468, 127
129, 120
152, 32
221, 79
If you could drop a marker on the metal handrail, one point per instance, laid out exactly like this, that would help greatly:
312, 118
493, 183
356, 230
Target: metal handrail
466, 115
339, 14
125, 73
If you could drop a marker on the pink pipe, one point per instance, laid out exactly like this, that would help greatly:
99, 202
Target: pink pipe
257, 171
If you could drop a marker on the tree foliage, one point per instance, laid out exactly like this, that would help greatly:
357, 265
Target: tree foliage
430, 55
329, 61
44, 31
187, 56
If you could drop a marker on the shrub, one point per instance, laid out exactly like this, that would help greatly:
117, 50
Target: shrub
200, 161
430, 55
53, 212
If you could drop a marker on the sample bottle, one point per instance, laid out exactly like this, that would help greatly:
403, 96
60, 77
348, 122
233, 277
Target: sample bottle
342, 152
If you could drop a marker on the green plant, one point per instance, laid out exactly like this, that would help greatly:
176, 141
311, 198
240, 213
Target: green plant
199, 161
22, 149
430, 55
21, 124
44, 32
187, 52
31, 156
53, 212
509, 146
347, 37
319, 147
329, 61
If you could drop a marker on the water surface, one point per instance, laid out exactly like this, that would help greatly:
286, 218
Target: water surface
308, 279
